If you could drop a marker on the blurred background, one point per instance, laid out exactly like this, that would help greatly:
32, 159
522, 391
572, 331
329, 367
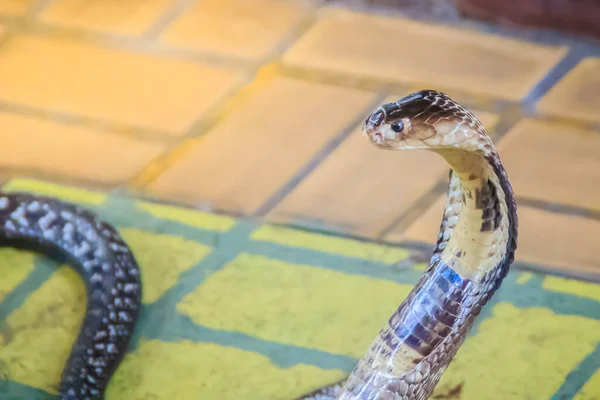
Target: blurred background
252, 109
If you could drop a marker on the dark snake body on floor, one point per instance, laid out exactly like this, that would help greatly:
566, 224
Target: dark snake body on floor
109, 270
476, 245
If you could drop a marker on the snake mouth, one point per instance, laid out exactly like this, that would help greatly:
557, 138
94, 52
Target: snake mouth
377, 137
373, 134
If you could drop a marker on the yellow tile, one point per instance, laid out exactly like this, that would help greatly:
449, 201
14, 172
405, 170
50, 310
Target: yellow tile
412, 52
524, 277
186, 370
14, 7
246, 28
131, 88
188, 217
554, 162
591, 389
50, 189
269, 299
249, 155
330, 244
571, 286
162, 258
16, 266
513, 355
577, 94
545, 238
125, 17
361, 189
43, 330
56, 148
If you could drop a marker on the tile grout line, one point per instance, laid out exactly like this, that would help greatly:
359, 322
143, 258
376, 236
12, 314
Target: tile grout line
91, 123
270, 203
124, 42
480, 101
416, 209
38, 7
559, 208
10, 173
574, 55
293, 35
176, 10
201, 126
579, 376
39, 275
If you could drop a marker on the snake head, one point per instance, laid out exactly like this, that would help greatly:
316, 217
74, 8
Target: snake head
427, 119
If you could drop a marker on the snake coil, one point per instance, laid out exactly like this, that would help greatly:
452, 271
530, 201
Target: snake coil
109, 270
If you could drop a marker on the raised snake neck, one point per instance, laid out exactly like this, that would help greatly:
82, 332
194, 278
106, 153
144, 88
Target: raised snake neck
475, 247
109, 270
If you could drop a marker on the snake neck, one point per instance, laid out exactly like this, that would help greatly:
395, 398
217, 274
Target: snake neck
478, 231
475, 247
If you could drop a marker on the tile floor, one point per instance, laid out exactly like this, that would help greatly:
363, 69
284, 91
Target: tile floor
224, 298
150, 96
253, 107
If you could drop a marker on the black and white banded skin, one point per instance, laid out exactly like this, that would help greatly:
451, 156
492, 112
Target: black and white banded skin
110, 272
475, 247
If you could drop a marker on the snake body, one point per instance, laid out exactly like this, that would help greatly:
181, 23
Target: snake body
475, 247
108, 268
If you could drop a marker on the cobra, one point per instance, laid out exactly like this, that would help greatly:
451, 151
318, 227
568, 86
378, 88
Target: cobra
475, 247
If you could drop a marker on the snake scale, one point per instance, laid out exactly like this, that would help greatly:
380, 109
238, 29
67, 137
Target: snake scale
475, 247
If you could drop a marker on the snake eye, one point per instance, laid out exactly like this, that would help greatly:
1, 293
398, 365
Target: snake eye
397, 126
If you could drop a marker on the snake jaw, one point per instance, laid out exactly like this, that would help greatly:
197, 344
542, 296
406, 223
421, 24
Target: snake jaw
378, 137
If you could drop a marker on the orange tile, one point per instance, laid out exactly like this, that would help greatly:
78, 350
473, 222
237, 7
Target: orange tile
555, 240
72, 151
246, 28
553, 162
15, 7
424, 229
577, 95
412, 52
125, 17
247, 157
361, 189
136, 89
